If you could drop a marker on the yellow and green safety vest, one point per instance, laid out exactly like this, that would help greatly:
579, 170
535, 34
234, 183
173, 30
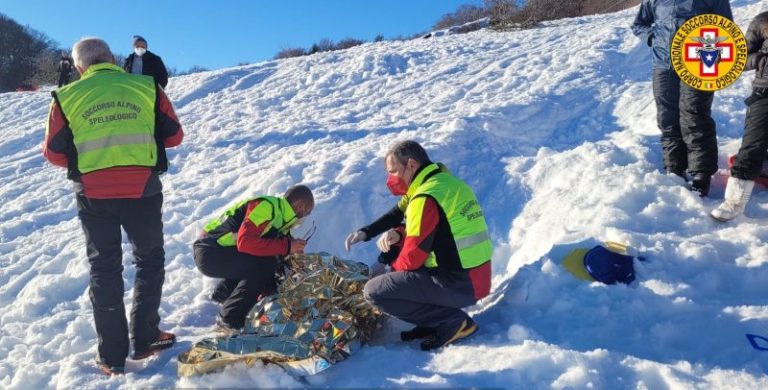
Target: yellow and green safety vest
112, 117
463, 212
276, 210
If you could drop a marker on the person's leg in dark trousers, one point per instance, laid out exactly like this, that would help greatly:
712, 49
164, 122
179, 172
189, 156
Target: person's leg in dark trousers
224, 289
101, 225
422, 298
256, 277
143, 224
246, 294
666, 92
698, 129
752, 153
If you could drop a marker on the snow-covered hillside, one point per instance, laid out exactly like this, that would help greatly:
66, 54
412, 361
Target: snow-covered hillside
555, 130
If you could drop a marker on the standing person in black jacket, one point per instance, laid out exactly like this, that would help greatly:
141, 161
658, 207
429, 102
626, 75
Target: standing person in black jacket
65, 70
684, 114
143, 61
752, 153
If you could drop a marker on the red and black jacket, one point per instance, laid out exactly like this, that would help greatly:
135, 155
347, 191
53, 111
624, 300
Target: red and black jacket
251, 238
117, 182
435, 236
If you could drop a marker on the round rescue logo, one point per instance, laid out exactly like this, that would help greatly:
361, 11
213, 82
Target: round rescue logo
709, 52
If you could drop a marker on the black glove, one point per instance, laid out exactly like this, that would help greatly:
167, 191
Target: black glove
387, 258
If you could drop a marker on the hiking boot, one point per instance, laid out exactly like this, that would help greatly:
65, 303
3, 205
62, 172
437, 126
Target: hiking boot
164, 340
419, 332
223, 328
737, 193
106, 369
700, 184
443, 337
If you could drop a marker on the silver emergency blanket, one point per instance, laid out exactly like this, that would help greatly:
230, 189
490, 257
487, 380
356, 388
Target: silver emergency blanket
317, 317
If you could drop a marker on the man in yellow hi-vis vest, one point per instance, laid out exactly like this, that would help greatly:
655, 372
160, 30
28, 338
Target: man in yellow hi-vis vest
244, 246
110, 130
441, 255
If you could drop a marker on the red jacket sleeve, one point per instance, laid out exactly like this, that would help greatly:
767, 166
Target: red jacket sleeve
416, 249
481, 279
167, 123
55, 143
250, 241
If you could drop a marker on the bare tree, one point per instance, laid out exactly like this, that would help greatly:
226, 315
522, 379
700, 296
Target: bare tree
464, 14
322, 45
289, 52
194, 69
592, 7
120, 59
541, 10
46, 69
22, 49
506, 15
346, 43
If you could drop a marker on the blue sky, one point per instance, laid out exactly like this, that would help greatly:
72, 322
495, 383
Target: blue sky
217, 34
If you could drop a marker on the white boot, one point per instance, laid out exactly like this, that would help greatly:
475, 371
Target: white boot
737, 193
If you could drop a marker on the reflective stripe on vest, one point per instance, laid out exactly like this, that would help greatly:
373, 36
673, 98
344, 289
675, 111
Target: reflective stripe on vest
475, 239
126, 139
112, 118
277, 211
465, 218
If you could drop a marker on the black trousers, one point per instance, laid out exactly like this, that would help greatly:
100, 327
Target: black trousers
684, 116
431, 298
141, 219
63, 79
247, 276
754, 144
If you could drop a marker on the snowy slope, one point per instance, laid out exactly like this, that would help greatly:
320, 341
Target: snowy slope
555, 130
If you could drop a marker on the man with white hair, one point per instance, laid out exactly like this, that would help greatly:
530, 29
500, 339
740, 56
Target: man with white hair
110, 130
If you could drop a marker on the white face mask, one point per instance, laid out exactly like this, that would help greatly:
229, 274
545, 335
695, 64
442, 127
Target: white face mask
139, 51
298, 223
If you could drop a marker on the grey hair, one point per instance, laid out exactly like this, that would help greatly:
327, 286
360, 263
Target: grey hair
90, 51
404, 150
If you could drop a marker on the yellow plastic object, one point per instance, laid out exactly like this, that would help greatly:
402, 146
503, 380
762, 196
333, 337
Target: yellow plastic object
574, 263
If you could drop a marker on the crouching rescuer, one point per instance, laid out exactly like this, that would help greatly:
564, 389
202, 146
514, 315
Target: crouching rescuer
110, 130
440, 257
245, 246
